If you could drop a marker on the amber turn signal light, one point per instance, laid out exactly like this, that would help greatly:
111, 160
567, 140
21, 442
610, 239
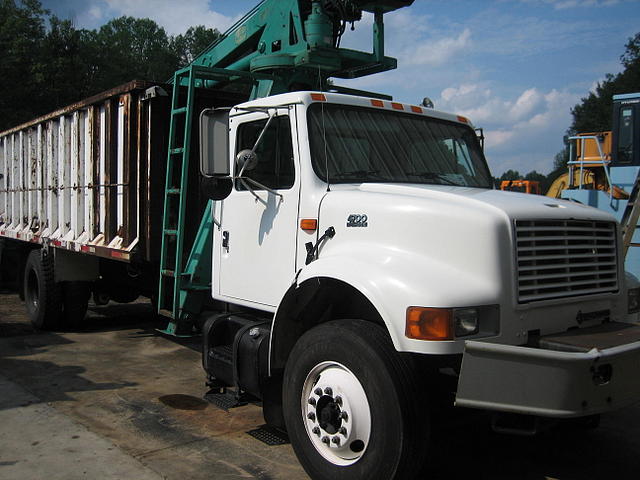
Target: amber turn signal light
429, 323
309, 224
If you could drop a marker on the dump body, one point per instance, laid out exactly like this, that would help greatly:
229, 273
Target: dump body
81, 178
90, 177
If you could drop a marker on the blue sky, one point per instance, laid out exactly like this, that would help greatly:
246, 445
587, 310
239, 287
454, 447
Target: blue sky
514, 67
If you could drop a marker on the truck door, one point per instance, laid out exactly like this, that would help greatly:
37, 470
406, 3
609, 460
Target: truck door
257, 237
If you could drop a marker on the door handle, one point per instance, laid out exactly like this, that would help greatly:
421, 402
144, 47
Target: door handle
225, 240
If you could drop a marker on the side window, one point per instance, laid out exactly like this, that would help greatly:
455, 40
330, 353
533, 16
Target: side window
625, 137
275, 167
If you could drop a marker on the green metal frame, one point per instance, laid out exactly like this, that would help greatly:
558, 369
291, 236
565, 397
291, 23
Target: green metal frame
279, 46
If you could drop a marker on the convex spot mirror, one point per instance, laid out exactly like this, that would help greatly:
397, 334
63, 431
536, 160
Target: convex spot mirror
246, 160
216, 188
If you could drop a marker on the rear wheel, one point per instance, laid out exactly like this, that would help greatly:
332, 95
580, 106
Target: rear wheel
75, 301
42, 294
350, 403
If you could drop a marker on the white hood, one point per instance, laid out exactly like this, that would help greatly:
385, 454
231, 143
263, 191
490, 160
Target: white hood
513, 204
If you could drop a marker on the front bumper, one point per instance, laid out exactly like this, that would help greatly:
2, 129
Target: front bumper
572, 375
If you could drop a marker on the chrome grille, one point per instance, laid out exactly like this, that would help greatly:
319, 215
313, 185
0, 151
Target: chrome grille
565, 258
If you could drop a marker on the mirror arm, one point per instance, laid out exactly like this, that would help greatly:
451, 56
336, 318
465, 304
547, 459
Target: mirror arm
248, 187
244, 181
264, 129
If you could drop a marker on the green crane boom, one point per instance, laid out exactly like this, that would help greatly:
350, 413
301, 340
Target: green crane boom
298, 42
278, 47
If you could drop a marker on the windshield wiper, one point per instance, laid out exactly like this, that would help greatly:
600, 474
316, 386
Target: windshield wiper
359, 174
433, 176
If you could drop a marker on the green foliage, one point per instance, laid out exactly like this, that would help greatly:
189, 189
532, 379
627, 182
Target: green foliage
593, 113
511, 175
47, 63
194, 41
127, 48
22, 30
561, 159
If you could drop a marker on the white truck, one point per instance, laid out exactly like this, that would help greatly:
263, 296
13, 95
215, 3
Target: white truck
353, 260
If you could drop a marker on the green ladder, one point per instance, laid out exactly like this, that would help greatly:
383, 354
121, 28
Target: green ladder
182, 284
185, 286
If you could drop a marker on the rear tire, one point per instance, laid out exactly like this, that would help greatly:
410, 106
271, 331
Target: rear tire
42, 294
75, 301
351, 405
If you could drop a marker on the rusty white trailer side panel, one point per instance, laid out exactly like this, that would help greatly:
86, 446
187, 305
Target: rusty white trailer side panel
72, 179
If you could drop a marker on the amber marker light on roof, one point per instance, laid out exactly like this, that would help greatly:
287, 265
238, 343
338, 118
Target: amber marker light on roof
415, 109
309, 224
429, 323
397, 106
377, 103
318, 97
463, 119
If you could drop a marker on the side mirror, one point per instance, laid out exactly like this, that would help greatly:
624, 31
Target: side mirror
216, 188
214, 142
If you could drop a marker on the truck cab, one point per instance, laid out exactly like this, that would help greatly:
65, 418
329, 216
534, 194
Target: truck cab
358, 231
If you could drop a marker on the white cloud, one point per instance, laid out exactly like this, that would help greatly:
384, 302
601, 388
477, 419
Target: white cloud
437, 52
523, 132
95, 13
525, 104
566, 4
495, 138
175, 18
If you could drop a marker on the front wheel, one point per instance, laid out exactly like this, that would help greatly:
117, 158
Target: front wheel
352, 406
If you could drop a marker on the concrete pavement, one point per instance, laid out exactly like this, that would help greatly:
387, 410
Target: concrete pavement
38, 442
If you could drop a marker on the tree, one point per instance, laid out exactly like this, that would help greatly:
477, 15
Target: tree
65, 67
22, 30
128, 48
511, 175
561, 159
195, 40
593, 113
47, 63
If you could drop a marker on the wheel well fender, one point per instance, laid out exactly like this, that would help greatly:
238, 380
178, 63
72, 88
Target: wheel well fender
313, 302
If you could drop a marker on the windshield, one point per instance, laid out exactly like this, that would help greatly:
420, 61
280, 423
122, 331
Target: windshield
366, 145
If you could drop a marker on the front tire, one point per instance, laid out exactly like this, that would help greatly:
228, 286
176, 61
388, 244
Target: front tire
351, 405
42, 294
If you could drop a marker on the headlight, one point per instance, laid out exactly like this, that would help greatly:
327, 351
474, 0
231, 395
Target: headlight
425, 323
633, 300
465, 321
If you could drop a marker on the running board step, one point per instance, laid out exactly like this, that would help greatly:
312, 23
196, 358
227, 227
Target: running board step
269, 435
225, 399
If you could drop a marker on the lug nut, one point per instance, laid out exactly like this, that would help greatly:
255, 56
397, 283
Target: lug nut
316, 430
336, 440
344, 416
312, 401
311, 416
325, 440
338, 400
318, 391
328, 391
342, 431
